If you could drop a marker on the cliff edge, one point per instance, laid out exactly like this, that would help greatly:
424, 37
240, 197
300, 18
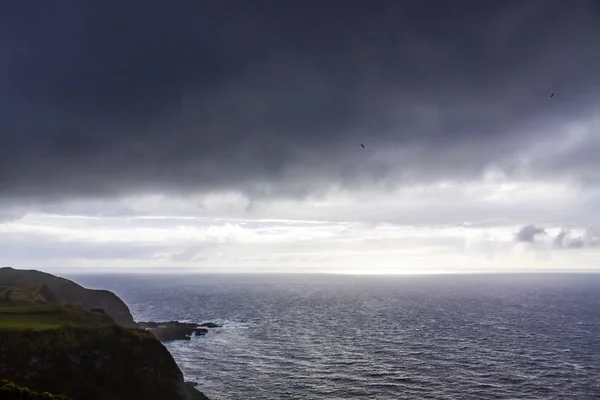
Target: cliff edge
93, 363
66, 349
69, 292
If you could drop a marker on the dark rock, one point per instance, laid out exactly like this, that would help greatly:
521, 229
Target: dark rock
169, 331
200, 332
210, 325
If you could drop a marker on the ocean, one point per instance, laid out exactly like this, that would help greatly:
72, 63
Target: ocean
326, 337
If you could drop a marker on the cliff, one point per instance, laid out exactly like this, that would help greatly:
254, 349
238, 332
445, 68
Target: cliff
67, 349
69, 292
92, 363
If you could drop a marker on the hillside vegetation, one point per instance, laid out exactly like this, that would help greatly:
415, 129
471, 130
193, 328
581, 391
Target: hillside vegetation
66, 349
66, 291
92, 363
35, 307
9, 390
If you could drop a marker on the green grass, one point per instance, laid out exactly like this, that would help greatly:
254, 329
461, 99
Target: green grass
9, 390
32, 294
49, 319
20, 321
28, 307
49, 288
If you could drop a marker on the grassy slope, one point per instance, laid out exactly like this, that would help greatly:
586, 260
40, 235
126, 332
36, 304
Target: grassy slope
49, 316
64, 290
33, 307
9, 390
62, 348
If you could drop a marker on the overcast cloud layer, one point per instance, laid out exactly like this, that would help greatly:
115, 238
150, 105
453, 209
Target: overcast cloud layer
119, 97
256, 110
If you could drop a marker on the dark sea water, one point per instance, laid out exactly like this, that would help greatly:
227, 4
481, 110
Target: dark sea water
357, 337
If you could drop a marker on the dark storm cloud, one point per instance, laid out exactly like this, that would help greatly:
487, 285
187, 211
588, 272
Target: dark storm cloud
528, 234
113, 97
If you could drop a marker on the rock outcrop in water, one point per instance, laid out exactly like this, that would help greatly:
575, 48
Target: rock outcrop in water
168, 331
47, 345
175, 330
210, 325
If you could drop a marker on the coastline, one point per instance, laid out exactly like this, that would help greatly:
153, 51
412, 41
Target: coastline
59, 337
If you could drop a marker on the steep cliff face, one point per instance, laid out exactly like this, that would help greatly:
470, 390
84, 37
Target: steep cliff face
68, 291
49, 345
93, 363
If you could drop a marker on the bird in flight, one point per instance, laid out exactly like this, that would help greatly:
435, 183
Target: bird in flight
552, 95
362, 145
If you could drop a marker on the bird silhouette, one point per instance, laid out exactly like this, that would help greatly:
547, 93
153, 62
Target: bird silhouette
552, 95
362, 145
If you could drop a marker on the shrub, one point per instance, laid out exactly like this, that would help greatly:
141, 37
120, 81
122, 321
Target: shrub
9, 390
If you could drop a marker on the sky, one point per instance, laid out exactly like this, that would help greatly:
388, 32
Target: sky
226, 136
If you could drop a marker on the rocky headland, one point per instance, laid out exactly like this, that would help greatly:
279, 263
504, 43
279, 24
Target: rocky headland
60, 340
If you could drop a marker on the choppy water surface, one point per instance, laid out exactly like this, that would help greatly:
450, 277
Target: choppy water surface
345, 337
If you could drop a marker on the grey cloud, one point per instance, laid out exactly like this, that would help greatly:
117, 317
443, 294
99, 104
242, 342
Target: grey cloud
560, 237
528, 233
17, 247
198, 252
188, 255
566, 241
576, 243
41, 248
9, 213
112, 98
578, 156
432, 206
